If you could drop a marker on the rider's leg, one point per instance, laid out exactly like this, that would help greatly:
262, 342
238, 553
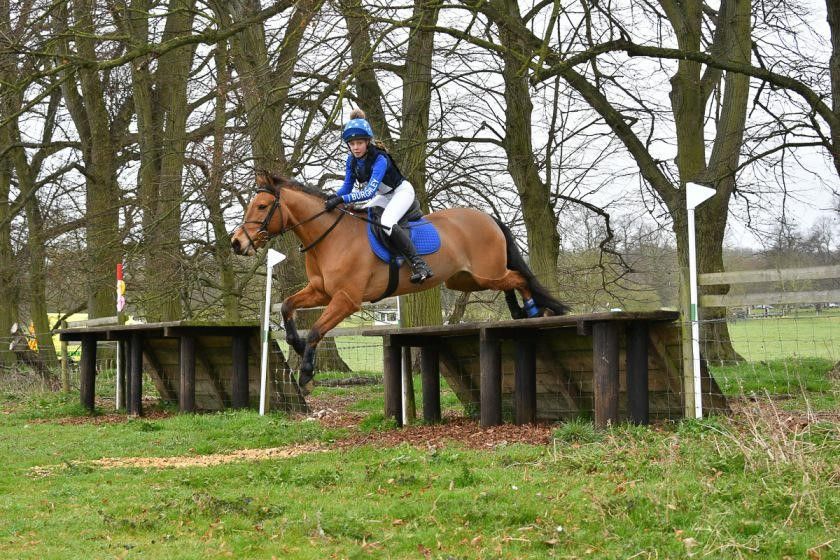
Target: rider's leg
401, 200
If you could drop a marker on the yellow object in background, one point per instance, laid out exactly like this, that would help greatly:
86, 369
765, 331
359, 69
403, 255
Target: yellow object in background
31, 340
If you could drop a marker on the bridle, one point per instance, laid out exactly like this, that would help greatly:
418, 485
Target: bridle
262, 234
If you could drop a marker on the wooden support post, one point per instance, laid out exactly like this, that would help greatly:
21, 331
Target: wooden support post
135, 376
65, 363
525, 381
637, 372
239, 382
392, 369
87, 372
409, 403
490, 359
122, 377
605, 370
186, 393
430, 375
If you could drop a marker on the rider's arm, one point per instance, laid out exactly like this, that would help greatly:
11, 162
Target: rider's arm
348, 178
380, 166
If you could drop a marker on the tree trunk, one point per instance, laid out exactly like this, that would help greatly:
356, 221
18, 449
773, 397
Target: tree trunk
534, 193
422, 308
8, 266
37, 259
221, 242
161, 107
368, 91
88, 110
266, 95
833, 8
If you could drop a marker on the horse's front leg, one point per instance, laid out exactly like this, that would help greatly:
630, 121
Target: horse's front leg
341, 306
307, 297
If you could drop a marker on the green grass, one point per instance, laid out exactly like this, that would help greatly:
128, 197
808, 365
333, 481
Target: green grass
775, 338
716, 488
776, 377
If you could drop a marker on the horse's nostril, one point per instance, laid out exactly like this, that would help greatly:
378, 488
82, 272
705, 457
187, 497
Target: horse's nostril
234, 244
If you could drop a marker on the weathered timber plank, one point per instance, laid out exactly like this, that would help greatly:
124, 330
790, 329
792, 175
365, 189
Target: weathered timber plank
769, 275
770, 298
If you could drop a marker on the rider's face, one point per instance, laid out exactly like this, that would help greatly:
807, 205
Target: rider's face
358, 147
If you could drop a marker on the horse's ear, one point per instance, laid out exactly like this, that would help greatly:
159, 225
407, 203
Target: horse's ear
263, 179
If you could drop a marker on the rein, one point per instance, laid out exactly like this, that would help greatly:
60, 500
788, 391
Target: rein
262, 233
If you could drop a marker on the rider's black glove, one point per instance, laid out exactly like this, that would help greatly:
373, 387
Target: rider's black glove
332, 202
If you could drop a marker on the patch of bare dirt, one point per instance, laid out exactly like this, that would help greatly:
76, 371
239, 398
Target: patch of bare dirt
110, 418
748, 408
186, 461
462, 431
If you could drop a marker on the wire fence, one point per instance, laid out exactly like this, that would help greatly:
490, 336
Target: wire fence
785, 359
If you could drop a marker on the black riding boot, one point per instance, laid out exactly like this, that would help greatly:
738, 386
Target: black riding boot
402, 243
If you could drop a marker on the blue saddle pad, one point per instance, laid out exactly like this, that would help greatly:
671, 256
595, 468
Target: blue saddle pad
423, 234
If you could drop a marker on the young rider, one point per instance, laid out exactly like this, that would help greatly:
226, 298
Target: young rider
379, 180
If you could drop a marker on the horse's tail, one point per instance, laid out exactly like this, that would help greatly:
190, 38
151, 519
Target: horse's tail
515, 261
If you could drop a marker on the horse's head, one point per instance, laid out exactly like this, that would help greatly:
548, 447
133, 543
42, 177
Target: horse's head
263, 217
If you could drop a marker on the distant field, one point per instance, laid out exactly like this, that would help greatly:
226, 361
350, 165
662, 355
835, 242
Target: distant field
774, 338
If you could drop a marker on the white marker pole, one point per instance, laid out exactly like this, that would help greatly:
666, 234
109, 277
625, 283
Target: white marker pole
272, 258
695, 195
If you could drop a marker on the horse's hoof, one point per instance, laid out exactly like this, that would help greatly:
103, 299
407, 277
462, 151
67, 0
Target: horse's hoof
305, 378
305, 390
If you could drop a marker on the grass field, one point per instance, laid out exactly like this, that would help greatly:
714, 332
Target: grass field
775, 338
719, 489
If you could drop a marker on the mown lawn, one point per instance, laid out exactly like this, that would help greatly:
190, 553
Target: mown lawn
722, 488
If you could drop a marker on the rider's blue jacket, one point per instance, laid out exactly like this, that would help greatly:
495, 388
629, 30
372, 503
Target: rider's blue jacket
375, 170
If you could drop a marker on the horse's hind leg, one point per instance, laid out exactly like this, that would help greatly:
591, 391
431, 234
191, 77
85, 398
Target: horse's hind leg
341, 306
512, 280
307, 297
515, 310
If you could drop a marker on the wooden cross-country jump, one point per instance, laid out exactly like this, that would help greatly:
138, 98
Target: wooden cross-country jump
610, 366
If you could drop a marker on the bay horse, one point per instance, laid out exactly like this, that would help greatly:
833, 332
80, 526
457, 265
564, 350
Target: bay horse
477, 252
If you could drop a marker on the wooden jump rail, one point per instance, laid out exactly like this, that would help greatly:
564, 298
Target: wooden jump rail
604, 328
767, 276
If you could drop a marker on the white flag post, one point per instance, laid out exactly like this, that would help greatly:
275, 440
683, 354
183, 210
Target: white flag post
272, 258
695, 195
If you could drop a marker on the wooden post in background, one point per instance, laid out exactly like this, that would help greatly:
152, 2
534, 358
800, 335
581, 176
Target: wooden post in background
605, 371
637, 372
430, 374
65, 363
525, 381
134, 406
392, 370
186, 397
87, 372
239, 383
490, 358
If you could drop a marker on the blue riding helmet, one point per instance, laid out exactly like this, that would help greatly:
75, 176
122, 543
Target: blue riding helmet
357, 128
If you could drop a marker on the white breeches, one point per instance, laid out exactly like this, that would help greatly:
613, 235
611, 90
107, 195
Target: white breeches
396, 203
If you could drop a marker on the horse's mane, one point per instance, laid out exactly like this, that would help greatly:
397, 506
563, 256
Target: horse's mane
281, 182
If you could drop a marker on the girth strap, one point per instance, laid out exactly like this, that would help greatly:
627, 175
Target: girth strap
393, 280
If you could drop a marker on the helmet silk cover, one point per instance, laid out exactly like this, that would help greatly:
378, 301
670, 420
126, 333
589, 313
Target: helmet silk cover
357, 128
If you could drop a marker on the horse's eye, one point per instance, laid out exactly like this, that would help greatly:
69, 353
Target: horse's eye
262, 206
